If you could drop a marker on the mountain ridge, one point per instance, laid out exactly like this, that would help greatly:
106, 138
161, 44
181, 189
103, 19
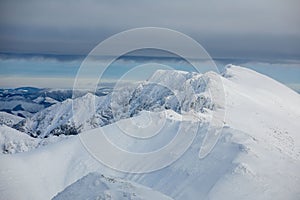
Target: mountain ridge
257, 155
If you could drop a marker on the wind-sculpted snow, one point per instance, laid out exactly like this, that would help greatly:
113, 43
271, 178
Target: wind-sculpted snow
9, 119
256, 157
188, 92
101, 187
13, 141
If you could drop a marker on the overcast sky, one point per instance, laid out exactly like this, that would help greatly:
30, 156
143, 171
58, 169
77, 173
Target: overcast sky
230, 28
262, 35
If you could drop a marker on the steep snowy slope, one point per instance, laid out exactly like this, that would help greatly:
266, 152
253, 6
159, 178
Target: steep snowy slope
13, 141
22, 106
45, 100
69, 161
101, 187
58, 118
9, 119
267, 110
256, 157
73, 116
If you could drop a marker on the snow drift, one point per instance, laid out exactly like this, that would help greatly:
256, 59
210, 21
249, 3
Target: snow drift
256, 157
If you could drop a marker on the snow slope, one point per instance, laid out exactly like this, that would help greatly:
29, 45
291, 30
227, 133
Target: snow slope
264, 108
69, 161
13, 141
24, 107
9, 119
73, 116
101, 187
256, 157
48, 100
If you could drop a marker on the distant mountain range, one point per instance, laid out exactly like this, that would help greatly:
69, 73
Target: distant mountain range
25, 101
72, 116
256, 156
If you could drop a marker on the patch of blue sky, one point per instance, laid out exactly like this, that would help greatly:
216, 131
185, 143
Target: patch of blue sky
285, 73
38, 68
136, 70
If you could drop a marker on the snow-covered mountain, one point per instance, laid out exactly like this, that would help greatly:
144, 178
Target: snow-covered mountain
72, 116
26, 101
256, 157
9, 119
101, 187
14, 141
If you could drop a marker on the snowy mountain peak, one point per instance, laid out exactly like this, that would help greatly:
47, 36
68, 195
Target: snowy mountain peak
101, 187
168, 77
9, 119
257, 155
166, 89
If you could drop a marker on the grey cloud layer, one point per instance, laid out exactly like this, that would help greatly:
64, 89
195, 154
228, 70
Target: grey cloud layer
228, 28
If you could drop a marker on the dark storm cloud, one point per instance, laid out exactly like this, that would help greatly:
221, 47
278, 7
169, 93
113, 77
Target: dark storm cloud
237, 29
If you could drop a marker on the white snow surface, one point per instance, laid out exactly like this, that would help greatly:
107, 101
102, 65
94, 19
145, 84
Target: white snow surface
27, 106
101, 187
160, 92
9, 119
41, 99
256, 157
13, 141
